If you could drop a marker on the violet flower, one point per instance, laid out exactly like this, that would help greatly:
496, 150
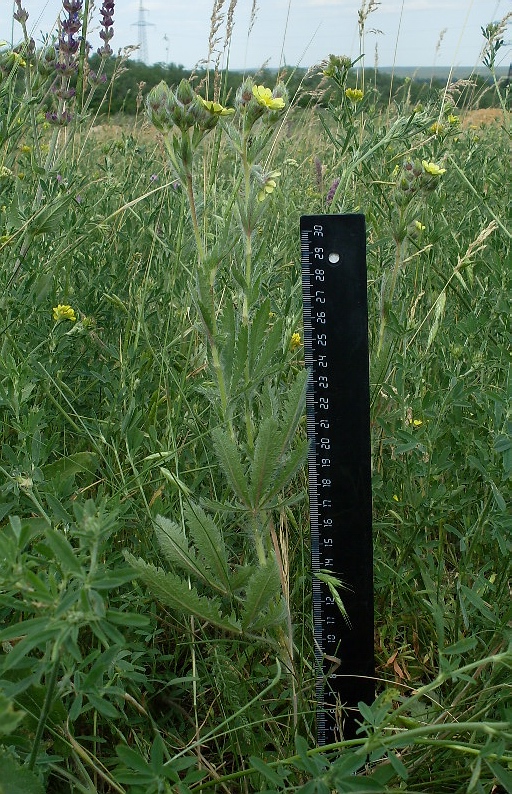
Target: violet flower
68, 43
107, 23
332, 191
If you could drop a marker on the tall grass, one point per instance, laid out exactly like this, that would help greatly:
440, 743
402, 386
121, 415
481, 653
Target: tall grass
155, 587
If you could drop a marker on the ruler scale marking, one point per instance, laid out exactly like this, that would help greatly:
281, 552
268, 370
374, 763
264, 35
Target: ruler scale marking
337, 420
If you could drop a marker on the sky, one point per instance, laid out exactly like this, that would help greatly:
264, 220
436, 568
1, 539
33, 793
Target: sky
295, 32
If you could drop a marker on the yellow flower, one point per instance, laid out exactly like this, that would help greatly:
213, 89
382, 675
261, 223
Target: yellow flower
432, 168
295, 341
395, 497
354, 94
19, 59
420, 227
24, 149
417, 422
63, 312
215, 108
264, 97
453, 119
436, 128
268, 185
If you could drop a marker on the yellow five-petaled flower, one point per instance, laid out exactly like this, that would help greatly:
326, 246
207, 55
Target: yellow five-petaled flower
264, 97
63, 312
432, 168
216, 109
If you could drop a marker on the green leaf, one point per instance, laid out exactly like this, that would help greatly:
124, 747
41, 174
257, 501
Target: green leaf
294, 409
210, 545
438, 316
266, 454
103, 706
229, 459
462, 646
239, 360
284, 475
479, 603
263, 586
271, 344
133, 760
257, 333
63, 551
398, 766
170, 589
266, 771
70, 466
498, 498
176, 548
502, 775
35, 633
9, 718
15, 779
100, 667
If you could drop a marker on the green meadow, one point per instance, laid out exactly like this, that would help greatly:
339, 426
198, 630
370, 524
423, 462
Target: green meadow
155, 576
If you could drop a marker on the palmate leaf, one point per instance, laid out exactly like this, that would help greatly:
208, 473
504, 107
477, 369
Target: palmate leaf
228, 336
266, 454
272, 342
228, 455
175, 547
263, 586
210, 546
287, 472
272, 468
176, 593
257, 333
294, 409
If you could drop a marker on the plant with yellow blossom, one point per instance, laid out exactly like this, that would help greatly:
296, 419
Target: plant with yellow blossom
269, 185
432, 168
215, 108
354, 94
295, 341
63, 311
265, 97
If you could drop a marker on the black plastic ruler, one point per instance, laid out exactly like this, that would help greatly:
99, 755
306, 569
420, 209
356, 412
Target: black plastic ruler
333, 254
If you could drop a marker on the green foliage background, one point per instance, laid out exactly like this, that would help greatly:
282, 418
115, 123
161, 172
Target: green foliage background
155, 577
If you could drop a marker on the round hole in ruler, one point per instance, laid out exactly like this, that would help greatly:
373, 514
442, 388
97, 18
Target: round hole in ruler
334, 258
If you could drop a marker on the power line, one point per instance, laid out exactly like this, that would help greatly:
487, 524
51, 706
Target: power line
142, 24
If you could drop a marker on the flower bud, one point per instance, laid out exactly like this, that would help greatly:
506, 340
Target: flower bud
158, 106
185, 93
244, 94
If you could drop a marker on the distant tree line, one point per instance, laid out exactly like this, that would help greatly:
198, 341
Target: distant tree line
306, 87
135, 79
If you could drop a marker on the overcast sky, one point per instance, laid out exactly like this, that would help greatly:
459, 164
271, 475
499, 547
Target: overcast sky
297, 32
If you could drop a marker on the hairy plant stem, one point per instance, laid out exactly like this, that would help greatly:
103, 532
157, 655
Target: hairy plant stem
247, 227
48, 700
248, 277
388, 293
217, 367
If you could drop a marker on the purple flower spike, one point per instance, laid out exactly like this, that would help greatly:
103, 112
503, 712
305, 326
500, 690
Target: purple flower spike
107, 22
332, 191
21, 14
